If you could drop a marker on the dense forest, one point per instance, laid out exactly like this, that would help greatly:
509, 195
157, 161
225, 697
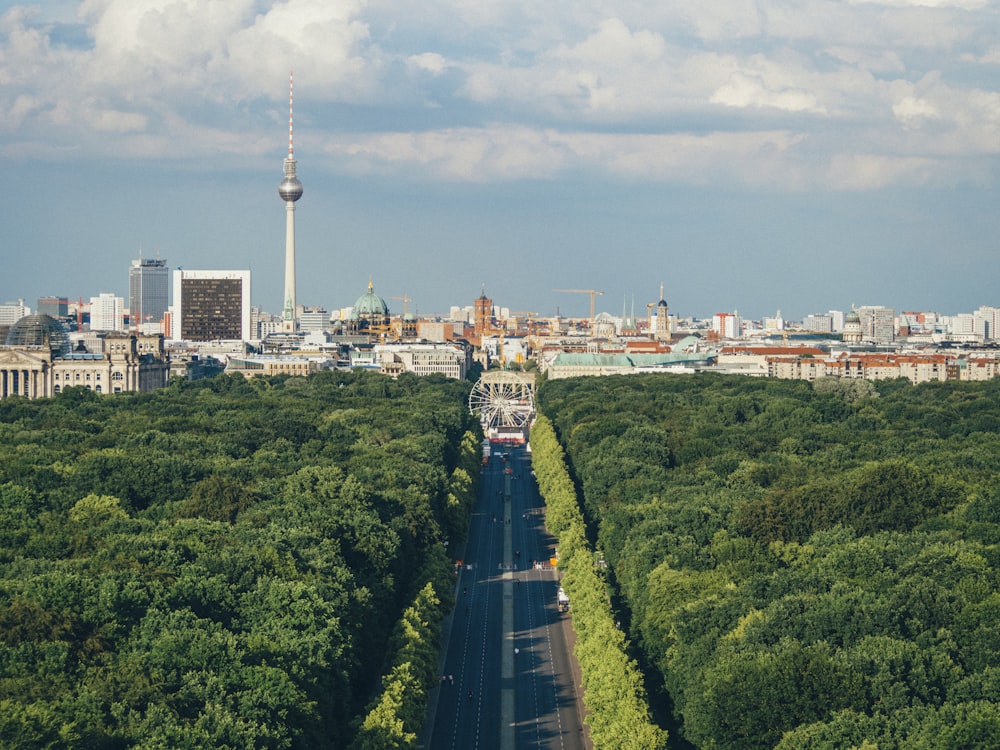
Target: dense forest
228, 563
799, 566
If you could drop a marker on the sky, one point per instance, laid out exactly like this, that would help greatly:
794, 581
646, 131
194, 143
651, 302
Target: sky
750, 155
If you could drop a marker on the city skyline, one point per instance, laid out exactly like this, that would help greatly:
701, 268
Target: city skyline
750, 158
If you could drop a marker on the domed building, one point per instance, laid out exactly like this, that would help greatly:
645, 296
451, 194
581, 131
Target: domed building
852, 328
370, 312
37, 361
40, 331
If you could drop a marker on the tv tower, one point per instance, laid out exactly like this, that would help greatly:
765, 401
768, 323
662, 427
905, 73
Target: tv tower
290, 191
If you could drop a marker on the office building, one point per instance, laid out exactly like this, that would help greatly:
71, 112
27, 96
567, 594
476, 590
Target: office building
57, 307
211, 306
878, 324
822, 323
107, 312
314, 319
11, 312
148, 291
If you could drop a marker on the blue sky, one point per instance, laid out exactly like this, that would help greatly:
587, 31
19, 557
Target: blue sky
752, 155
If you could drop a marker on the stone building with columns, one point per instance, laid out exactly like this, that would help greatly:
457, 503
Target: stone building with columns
38, 361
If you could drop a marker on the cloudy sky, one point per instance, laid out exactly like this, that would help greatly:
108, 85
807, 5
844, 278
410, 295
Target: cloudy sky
751, 155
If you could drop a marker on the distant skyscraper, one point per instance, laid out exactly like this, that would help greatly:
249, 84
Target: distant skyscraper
148, 290
211, 306
290, 191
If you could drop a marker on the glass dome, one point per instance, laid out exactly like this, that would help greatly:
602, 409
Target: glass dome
40, 330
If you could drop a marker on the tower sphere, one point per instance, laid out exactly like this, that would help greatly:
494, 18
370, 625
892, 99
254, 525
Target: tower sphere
290, 188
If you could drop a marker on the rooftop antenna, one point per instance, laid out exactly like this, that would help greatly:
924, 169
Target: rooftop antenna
291, 148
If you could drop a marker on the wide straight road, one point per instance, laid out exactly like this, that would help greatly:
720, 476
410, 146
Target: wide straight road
509, 677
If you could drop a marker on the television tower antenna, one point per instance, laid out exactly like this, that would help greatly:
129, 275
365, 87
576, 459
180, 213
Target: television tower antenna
290, 191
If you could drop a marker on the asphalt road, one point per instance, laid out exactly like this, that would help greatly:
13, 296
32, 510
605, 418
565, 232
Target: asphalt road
509, 679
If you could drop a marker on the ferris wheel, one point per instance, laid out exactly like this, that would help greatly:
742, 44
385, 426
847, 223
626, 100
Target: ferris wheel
503, 399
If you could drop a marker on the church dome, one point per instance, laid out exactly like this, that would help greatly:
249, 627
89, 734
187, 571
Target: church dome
369, 306
40, 330
852, 317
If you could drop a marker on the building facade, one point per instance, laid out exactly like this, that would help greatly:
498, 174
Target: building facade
107, 312
11, 312
878, 324
57, 307
449, 360
211, 306
37, 362
661, 331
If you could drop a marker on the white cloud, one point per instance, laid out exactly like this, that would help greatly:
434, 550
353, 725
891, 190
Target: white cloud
962, 4
517, 153
861, 171
430, 62
749, 90
794, 94
911, 110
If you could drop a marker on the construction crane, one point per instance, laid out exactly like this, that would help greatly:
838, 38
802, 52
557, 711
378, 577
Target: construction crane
592, 292
405, 299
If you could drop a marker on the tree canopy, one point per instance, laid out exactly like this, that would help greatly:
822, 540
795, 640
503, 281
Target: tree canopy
223, 563
799, 566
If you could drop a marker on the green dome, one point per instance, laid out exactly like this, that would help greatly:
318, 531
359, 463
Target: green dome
369, 306
40, 330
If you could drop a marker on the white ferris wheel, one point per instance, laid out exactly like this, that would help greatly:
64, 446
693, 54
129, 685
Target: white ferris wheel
502, 399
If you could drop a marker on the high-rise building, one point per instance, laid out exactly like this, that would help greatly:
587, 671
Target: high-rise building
211, 306
290, 191
57, 307
988, 322
878, 324
728, 325
148, 291
107, 312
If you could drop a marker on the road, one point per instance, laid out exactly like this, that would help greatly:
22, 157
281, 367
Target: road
508, 670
